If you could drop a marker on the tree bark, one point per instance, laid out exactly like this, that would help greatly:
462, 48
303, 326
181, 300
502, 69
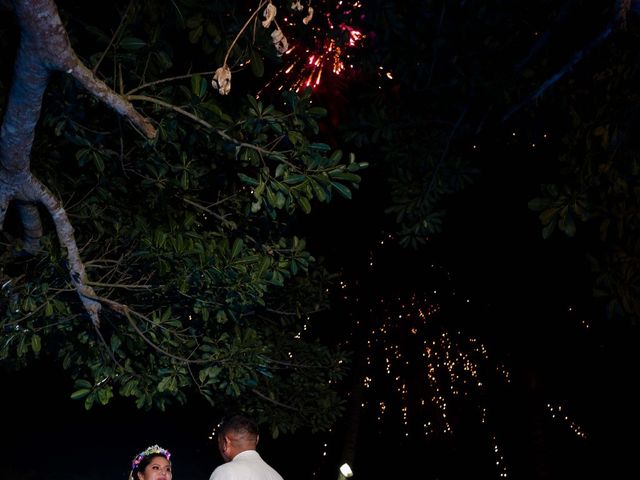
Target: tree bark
44, 47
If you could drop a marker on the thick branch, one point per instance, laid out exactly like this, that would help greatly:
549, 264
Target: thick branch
44, 47
32, 191
120, 104
32, 226
23, 109
42, 28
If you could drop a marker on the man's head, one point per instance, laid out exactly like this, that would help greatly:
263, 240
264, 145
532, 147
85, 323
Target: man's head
237, 434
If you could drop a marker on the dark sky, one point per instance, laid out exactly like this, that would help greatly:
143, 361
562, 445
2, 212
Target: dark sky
530, 302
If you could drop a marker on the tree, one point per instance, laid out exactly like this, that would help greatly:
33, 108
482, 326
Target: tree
447, 77
174, 227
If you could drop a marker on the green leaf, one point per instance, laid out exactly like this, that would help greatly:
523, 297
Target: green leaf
318, 112
83, 392
193, 22
320, 147
345, 176
221, 316
257, 192
548, 230
83, 383
295, 137
318, 191
212, 107
115, 343
36, 343
280, 170
104, 395
195, 34
264, 265
257, 65
248, 180
198, 86
304, 203
255, 105
165, 384
247, 260
129, 388
277, 278
237, 247
98, 162
88, 401
549, 215
538, 204
342, 190
336, 157
294, 179
567, 224
132, 43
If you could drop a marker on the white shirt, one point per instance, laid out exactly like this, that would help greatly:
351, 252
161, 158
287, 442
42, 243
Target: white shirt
247, 465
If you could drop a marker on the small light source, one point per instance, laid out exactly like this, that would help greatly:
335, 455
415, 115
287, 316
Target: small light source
345, 470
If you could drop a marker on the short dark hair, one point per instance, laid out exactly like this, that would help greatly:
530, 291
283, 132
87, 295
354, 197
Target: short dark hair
238, 423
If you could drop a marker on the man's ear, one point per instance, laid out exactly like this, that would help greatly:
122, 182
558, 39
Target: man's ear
257, 439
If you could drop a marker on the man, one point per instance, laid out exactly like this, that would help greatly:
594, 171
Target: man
237, 441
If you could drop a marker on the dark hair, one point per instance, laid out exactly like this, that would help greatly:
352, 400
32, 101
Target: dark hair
144, 458
146, 461
240, 424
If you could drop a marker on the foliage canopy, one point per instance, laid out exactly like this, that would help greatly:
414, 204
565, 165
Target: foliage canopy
187, 237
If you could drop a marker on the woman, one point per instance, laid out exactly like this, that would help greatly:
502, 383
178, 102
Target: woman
152, 464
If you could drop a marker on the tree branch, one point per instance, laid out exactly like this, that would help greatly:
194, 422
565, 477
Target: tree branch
33, 190
579, 55
199, 120
44, 47
271, 400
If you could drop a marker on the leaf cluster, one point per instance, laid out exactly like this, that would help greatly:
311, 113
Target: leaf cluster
188, 238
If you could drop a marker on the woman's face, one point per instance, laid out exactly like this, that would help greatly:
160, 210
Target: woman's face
159, 468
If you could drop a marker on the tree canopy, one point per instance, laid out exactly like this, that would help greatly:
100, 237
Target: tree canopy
147, 219
455, 76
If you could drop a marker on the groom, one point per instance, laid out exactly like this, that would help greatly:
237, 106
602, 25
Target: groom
237, 441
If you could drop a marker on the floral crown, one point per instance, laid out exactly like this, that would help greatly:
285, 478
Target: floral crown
153, 450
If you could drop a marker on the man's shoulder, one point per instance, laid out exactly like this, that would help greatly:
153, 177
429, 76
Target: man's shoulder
221, 472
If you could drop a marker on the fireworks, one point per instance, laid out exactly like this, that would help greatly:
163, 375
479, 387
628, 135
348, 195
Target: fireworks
320, 48
426, 383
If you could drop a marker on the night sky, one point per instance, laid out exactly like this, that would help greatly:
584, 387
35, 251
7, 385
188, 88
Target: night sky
557, 397
527, 379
